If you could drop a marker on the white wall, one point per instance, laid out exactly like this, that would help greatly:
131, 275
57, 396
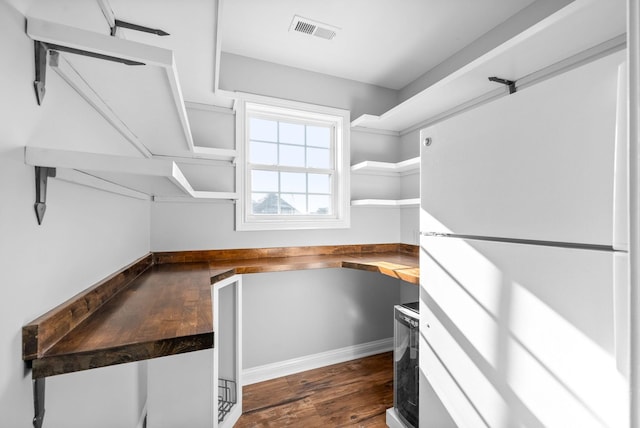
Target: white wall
238, 73
206, 226
315, 311
86, 235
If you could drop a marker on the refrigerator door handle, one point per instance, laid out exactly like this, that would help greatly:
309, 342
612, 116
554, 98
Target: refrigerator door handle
621, 174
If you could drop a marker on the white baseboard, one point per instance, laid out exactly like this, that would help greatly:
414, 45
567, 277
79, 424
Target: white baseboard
296, 365
393, 420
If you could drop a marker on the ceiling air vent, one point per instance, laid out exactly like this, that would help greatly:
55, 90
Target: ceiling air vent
314, 28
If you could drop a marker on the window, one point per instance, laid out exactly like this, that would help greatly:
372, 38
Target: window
294, 172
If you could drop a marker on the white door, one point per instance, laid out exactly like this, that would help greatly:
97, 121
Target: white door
538, 164
521, 335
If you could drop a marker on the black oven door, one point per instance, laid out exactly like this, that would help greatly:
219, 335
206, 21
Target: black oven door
405, 376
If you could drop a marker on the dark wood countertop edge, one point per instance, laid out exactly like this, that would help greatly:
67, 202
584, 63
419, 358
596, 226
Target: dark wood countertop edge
405, 273
276, 252
218, 275
67, 363
46, 330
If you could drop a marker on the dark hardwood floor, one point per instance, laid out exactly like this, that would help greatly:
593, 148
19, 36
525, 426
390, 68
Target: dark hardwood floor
352, 394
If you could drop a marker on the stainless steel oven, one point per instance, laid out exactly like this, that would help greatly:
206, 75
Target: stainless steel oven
405, 363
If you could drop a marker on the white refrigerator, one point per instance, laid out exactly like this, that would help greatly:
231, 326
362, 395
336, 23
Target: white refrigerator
524, 258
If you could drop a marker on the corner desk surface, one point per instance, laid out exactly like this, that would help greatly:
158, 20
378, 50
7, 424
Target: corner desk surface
161, 304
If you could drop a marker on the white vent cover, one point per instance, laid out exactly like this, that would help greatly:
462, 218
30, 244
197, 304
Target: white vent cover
314, 28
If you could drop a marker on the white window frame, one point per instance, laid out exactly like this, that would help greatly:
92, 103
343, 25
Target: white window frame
340, 217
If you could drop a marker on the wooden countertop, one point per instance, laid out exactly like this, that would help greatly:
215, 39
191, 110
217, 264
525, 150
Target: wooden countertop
161, 304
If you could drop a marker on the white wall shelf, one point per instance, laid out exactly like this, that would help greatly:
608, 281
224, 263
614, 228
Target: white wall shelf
413, 202
386, 168
213, 153
541, 50
142, 102
200, 196
141, 178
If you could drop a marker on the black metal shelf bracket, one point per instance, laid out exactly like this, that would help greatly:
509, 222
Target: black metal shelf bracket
41, 49
510, 83
41, 70
136, 27
38, 402
42, 174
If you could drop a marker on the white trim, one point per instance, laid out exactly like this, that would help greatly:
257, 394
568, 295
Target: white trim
224, 157
218, 43
402, 168
199, 197
341, 191
364, 130
385, 203
392, 419
191, 105
309, 362
213, 153
232, 417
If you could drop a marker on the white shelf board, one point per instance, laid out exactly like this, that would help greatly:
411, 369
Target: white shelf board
142, 175
144, 102
88, 180
385, 202
579, 27
387, 168
199, 196
200, 152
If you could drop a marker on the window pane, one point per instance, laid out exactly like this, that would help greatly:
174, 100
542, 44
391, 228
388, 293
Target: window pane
291, 133
262, 129
319, 204
293, 182
291, 155
318, 136
264, 203
264, 153
318, 158
319, 183
264, 181
293, 204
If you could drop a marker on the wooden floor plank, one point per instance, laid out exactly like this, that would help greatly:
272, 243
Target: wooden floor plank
351, 394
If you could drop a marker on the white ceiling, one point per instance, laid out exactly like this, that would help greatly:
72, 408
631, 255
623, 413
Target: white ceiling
387, 43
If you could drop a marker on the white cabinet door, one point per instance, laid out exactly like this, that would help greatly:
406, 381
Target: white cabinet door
538, 164
521, 335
